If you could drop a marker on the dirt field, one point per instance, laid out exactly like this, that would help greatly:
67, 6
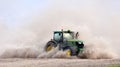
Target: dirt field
59, 63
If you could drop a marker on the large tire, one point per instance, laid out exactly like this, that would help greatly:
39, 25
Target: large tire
69, 51
50, 46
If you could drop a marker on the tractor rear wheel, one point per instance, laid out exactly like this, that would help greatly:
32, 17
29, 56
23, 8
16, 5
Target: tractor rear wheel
50, 46
69, 51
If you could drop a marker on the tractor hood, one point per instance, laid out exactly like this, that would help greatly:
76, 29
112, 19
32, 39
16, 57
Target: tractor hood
77, 42
74, 40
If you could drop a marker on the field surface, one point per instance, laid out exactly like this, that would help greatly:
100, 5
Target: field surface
15, 62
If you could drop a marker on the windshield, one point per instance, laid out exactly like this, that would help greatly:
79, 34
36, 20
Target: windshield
67, 36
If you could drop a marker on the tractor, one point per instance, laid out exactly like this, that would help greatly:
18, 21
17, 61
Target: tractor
67, 41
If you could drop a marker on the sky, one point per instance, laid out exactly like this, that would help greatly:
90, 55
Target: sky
13, 11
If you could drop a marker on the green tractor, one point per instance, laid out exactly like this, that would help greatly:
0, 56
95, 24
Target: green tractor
66, 41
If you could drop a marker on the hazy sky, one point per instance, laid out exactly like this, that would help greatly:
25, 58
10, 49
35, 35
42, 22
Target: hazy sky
14, 11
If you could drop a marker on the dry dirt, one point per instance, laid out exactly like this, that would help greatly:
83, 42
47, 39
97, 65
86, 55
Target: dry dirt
16, 62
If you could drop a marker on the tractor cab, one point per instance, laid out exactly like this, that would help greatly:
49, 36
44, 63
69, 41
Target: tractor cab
63, 35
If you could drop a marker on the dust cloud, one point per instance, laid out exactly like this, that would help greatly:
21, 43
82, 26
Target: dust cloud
28, 41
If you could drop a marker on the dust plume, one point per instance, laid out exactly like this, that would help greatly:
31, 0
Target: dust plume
95, 47
28, 41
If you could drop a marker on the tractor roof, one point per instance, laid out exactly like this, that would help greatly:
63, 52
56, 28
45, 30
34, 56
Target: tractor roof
63, 31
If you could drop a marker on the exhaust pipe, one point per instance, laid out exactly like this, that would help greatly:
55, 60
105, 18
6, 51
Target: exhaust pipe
62, 36
76, 35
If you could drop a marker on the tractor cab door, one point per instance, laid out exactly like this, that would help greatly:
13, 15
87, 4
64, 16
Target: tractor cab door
57, 36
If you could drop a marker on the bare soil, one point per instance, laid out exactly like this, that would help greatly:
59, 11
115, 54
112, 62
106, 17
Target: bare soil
16, 62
